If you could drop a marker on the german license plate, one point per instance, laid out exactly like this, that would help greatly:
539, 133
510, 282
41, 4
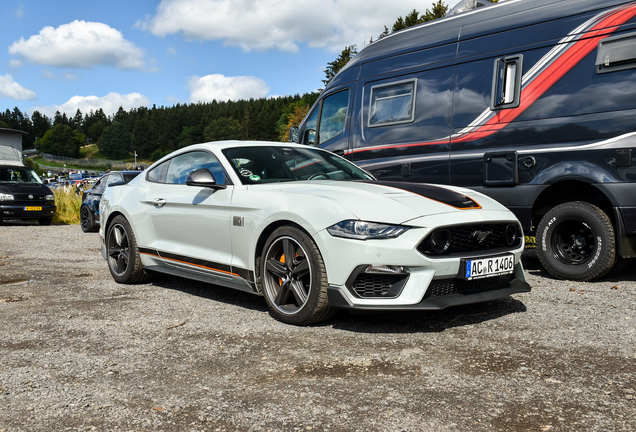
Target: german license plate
33, 209
488, 267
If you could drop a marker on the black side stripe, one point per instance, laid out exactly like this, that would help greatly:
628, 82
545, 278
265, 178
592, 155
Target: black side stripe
435, 193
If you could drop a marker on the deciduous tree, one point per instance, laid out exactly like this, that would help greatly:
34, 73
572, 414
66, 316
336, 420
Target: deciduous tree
115, 141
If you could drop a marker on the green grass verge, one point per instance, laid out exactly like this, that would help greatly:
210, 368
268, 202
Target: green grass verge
68, 206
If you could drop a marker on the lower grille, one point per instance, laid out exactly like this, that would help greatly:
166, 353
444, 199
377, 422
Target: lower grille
446, 287
378, 285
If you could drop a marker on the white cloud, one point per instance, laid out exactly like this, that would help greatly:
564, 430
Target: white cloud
80, 44
278, 24
12, 90
69, 77
109, 103
19, 12
222, 88
13, 63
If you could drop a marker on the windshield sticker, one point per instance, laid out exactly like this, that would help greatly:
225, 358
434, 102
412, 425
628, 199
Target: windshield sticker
254, 177
245, 172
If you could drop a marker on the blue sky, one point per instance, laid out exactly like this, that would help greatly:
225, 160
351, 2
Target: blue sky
65, 55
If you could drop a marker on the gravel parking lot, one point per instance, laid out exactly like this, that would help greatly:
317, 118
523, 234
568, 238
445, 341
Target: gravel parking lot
80, 352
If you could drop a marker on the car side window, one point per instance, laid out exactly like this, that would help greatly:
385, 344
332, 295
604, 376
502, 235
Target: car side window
186, 163
113, 178
333, 116
310, 127
158, 173
101, 183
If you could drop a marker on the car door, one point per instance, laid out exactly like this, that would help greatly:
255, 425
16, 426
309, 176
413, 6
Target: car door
95, 193
192, 223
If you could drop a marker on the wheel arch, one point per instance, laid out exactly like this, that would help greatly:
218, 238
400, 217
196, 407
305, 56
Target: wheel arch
112, 216
574, 190
260, 244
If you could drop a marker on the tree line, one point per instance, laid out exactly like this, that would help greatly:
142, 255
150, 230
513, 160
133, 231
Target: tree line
151, 132
156, 131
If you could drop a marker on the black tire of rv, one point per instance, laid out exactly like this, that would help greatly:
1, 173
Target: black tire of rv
576, 241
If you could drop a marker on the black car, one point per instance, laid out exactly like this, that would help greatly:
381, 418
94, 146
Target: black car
23, 196
89, 212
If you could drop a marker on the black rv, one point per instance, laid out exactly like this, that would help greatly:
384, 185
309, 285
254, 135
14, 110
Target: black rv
532, 102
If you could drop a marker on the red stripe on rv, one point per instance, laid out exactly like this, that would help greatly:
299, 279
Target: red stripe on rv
533, 91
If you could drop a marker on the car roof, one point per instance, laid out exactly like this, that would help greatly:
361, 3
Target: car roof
221, 145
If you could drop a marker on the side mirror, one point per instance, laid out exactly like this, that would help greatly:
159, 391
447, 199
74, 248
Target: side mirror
293, 134
203, 178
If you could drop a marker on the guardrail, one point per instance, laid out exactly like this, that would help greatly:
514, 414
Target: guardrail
92, 163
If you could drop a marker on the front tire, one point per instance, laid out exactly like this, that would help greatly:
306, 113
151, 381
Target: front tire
294, 278
45, 221
576, 241
124, 261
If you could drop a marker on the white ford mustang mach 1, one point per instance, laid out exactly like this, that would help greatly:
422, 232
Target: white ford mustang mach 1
309, 231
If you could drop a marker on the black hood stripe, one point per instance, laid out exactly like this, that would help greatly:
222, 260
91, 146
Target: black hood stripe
435, 193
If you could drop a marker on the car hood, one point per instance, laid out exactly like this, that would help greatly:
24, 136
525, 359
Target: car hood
389, 202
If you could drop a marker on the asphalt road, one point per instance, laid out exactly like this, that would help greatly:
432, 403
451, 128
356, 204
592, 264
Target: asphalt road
80, 352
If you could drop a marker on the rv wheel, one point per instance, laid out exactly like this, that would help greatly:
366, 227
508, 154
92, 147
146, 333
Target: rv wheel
576, 241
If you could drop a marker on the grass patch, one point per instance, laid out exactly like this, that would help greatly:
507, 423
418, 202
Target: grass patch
42, 161
68, 206
91, 152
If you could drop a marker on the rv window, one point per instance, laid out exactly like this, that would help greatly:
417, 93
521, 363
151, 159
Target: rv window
334, 114
393, 103
616, 53
506, 82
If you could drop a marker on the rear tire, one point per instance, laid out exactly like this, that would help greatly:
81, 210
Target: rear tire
122, 253
294, 278
86, 219
576, 241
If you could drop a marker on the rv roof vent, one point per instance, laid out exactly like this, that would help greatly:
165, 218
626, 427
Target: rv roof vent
467, 5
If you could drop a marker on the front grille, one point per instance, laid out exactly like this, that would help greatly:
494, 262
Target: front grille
464, 239
445, 287
378, 285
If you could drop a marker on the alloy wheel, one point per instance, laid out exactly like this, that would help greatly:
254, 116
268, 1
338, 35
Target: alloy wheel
118, 249
287, 275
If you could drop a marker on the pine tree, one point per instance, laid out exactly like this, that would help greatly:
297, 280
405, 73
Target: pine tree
335, 66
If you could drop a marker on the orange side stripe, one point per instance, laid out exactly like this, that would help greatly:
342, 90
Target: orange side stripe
188, 263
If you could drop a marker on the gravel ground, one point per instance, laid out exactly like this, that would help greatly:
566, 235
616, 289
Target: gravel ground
80, 352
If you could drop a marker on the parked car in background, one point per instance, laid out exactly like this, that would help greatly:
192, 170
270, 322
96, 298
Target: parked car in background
24, 196
310, 231
89, 211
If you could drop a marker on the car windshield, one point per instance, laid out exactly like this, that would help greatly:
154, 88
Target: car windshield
265, 164
18, 175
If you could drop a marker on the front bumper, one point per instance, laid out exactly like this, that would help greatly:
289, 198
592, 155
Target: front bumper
341, 299
19, 212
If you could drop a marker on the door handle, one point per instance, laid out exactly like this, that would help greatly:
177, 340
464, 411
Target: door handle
159, 202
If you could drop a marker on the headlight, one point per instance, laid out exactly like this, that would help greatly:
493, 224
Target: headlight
361, 230
6, 197
50, 198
